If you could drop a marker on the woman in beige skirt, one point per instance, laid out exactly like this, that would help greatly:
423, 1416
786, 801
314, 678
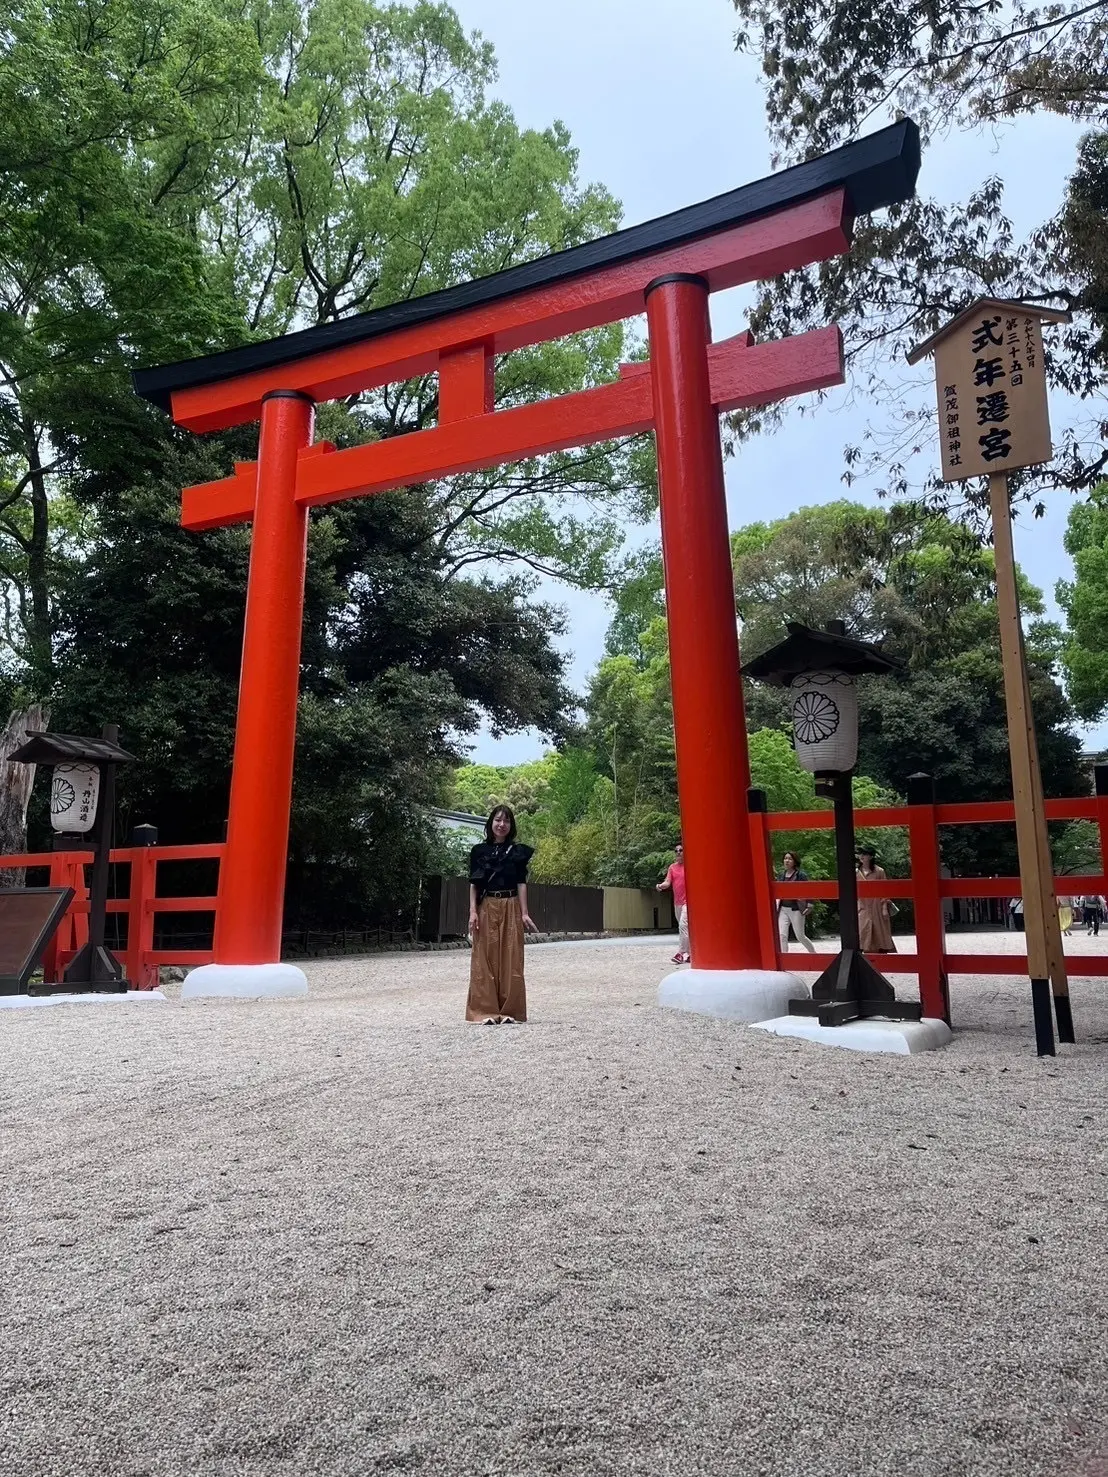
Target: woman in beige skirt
497, 917
875, 934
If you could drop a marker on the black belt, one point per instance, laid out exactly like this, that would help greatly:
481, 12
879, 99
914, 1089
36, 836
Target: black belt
513, 892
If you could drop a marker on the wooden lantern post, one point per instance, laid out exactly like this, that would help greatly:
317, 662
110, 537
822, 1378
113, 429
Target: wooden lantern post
993, 418
94, 967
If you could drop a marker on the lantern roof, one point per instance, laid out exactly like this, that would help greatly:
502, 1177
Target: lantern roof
808, 650
67, 748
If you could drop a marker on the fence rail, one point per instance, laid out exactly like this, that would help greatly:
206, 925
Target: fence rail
141, 906
926, 888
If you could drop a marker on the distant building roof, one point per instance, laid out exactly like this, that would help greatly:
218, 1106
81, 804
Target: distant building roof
457, 817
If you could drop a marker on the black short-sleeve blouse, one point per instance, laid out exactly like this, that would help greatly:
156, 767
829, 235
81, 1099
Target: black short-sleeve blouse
495, 867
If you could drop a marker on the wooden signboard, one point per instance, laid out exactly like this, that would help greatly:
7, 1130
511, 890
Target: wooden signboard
28, 919
991, 384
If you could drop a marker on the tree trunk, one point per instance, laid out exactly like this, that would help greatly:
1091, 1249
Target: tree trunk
15, 786
40, 631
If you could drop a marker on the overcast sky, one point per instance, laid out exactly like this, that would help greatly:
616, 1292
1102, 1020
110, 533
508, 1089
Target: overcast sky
664, 113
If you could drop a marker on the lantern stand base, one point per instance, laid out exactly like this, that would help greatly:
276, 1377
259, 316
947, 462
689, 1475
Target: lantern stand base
245, 982
94, 968
898, 1038
850, 989
745, 995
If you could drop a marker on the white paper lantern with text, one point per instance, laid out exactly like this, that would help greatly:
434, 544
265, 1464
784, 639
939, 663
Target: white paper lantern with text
73, 796
825, 721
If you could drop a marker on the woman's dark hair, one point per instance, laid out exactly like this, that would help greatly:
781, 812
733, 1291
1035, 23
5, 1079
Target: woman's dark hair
501, 810
795, 858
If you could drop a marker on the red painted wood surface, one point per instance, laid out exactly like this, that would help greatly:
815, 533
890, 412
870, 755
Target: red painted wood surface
923, 842
764, 901
252, 876
140, 958
713, 772
740, 375
779, 242
466, 384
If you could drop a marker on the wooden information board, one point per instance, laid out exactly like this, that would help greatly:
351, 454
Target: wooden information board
28, 919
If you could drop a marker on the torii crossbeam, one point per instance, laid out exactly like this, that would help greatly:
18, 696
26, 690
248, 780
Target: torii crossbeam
667, 268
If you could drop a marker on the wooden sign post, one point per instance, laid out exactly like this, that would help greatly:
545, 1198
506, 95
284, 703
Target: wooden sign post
993, 417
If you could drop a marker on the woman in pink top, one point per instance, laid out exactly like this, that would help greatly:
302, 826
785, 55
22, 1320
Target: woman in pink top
675, 879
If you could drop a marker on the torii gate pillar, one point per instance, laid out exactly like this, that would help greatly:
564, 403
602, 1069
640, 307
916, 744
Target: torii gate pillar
713, 768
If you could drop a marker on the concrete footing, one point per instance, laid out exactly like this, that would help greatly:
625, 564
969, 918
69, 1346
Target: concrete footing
731, 994
244, 982
81, 997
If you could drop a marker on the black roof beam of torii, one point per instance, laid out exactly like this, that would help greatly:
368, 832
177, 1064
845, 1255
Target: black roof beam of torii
876, 171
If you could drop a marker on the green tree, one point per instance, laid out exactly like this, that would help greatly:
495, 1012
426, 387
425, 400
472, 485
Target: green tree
609, 814
313, 159
398, 661
924, 586
113, 119
833, 68
379, 169
1084, 599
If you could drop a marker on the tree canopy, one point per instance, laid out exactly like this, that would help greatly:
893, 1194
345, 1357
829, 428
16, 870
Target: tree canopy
915, 579
924, 585
177, 178
603, 810
1085, 602
831, 69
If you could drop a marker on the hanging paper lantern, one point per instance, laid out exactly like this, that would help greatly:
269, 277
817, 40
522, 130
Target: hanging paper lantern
825, 721
73, 796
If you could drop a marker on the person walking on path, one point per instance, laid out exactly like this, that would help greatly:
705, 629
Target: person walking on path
1092, 909
875, 935
675, 880
791, 911
1065, 915
497, 918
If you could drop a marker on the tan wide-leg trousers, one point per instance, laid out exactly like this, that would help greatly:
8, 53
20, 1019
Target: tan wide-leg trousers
496, 985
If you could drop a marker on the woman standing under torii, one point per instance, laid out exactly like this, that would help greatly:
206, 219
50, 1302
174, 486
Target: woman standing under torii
497, 918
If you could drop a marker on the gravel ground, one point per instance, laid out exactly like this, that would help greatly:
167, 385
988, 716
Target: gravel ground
352, 1235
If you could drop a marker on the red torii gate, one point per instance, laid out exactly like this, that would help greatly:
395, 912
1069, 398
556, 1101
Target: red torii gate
669, 267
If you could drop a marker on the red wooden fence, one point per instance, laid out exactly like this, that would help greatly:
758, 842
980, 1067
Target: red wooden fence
140, 958
931, 962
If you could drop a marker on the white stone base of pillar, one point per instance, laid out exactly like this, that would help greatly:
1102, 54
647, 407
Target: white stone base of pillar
81, 997
244, 982
904, 1038
747, 995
